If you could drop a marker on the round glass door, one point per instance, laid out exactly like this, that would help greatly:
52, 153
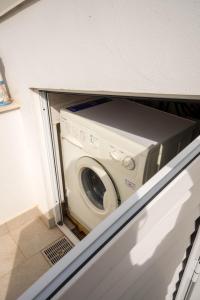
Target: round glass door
96, 186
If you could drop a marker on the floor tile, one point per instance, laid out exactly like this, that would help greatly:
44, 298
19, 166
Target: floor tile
33, 237
3, 229
10, 254
23, 219
22, 277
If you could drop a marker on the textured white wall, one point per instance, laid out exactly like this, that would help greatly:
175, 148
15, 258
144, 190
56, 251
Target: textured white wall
132, 46
141, 46
16, 192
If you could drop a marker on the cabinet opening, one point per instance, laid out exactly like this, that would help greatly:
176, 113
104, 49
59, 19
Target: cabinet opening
107, 147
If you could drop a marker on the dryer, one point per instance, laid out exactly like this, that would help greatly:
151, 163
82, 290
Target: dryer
110, 148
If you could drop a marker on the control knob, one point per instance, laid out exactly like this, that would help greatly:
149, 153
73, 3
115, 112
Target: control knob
116, 155
129, 163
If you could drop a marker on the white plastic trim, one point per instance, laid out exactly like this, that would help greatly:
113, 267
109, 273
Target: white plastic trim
50, 146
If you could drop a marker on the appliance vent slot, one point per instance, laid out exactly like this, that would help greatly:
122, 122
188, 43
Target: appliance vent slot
57, 250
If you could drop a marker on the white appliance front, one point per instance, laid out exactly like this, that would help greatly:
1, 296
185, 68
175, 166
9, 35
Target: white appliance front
109, 152
91, 192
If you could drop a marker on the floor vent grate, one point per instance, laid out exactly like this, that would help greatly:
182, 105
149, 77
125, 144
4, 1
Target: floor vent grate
57, 250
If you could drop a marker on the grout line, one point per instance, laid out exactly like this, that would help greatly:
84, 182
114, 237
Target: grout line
18, 247
17, 244
15, 255
5, 274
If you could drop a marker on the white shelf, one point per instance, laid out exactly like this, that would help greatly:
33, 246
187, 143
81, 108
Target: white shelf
14, 105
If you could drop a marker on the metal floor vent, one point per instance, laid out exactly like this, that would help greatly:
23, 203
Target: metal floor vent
57, 250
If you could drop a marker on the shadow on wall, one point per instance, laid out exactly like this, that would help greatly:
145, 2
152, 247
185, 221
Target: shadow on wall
155, 275
16, 9
149, 269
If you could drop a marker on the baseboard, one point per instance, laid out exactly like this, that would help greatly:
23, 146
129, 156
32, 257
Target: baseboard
48, 219
27, 217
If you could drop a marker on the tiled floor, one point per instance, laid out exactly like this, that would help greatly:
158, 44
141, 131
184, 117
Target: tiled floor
21, 261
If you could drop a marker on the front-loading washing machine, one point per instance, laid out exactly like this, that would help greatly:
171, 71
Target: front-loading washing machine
110, 148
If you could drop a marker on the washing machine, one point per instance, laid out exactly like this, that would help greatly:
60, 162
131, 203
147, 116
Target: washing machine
110, 148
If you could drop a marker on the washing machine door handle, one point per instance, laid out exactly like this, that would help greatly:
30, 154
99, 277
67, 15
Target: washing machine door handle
107, 203
96, 186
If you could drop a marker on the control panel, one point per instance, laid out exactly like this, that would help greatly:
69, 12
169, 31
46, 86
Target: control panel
125, 160
85, 138
79, 136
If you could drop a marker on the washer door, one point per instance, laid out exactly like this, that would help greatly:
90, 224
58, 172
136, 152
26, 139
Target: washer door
96, 187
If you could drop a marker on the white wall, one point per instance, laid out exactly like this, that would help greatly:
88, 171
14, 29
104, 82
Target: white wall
15, 190
132, 46
147, 45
